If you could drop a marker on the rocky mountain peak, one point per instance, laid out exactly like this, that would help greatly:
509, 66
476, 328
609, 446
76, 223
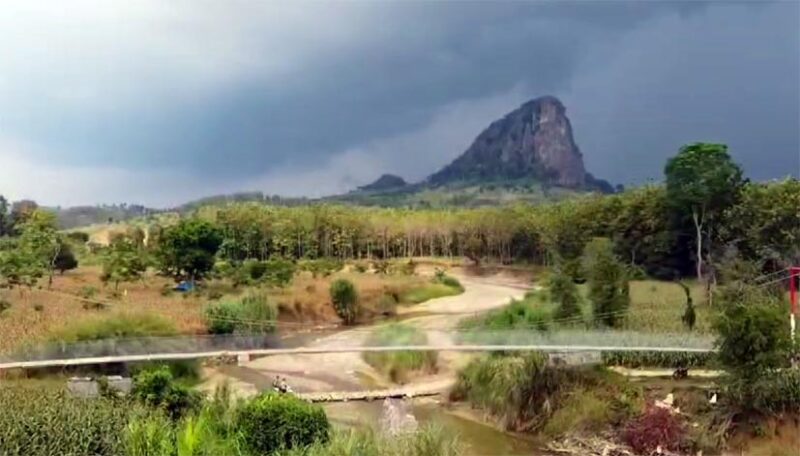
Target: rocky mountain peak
533, 141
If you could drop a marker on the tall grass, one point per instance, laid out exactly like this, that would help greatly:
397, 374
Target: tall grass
400, 365
522, 392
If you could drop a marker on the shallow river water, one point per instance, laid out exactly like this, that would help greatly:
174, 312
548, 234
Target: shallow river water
478, 439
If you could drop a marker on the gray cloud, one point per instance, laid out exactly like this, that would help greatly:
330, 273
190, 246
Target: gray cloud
299, 98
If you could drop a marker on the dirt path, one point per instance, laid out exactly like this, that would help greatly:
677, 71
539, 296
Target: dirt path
348, 371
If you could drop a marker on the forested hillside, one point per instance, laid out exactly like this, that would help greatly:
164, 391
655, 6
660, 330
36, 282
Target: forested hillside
763, 224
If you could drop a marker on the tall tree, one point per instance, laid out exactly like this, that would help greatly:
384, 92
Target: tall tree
608, 282
702, 182
123, 262
187, 250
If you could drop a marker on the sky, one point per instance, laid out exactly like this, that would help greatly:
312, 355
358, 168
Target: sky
160, 102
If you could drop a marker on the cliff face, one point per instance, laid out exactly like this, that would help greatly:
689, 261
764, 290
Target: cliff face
533, 141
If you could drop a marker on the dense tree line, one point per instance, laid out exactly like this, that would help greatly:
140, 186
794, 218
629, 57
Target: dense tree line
705, 211
763, 224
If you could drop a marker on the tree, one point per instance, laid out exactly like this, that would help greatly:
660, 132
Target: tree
564, 292
187, 250
65, 259
20, 212
753, 334
345, 300
608, 282
123, 262
5, 217
702, 182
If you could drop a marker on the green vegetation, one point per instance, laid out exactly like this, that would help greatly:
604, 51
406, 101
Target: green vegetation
187, 250
38, 421
345, 300
442, 285
273, 422
156, 388
524, 393
252, 314
123, 261
607, 277
565, 294
401, 364
702, 183
122, 326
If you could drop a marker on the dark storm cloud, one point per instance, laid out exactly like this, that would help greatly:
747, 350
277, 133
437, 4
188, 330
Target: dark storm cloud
227, 92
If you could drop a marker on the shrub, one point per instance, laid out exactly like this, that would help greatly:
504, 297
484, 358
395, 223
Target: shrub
772, 393
88, 292
522, 314
252, 314
257, 312
360, 267
78, 236
273, 422
253, 269
608, 282
279, 271
753, 334
565, 294
221, 318
345, 300
657, 427
321, 267
399, 364
41, 421
157, 388
520, 391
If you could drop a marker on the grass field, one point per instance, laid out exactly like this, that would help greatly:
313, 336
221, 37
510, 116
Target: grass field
34, 315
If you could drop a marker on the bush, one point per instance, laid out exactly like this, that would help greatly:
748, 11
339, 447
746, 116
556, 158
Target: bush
279, 271
608, 282
399, 364
752, 329
252, 314
40, 421
4, 305
523, 314
88, 292
157, 388
657, 427
222, 318
78, 236
772, 393
274, 422
522, 391
322, 267
565, 294
345, 300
